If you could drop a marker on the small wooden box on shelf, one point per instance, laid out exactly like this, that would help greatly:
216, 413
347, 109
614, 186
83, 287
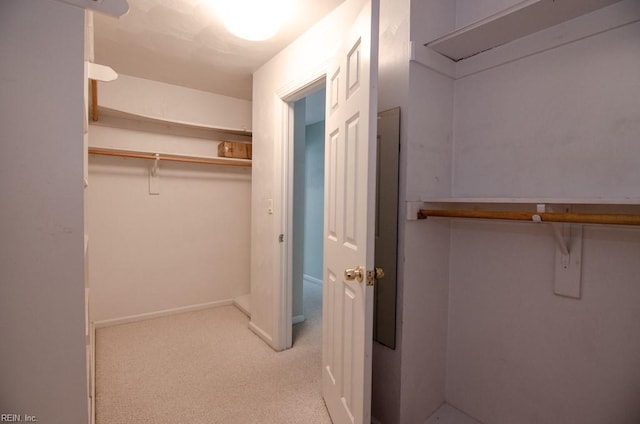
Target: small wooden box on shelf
234, 149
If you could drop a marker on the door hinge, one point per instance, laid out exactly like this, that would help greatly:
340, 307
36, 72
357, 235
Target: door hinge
281, 238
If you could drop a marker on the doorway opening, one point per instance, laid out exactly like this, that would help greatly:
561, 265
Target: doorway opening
307, 213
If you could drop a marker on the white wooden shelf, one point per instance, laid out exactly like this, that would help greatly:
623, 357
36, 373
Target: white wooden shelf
522, 19
101, 72
104, 73
110, 115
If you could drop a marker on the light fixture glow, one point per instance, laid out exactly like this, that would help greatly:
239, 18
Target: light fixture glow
254, 20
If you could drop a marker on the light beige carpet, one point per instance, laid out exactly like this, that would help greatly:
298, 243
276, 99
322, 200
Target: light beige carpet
207, 367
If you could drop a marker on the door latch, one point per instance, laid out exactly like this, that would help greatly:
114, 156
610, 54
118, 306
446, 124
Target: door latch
374, 275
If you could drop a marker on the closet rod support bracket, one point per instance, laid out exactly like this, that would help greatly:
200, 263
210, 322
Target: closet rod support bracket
156, 165
562, 232
154, 177
568, 257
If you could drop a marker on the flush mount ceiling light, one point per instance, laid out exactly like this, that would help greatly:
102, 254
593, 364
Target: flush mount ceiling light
254, 20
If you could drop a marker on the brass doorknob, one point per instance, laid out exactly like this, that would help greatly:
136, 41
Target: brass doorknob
352, 274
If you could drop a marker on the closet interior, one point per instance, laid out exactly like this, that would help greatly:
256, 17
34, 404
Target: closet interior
524, 111
167, 218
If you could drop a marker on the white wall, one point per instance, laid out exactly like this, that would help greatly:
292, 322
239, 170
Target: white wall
470, 11
424, 262
534, 127
563, 123
280, 77
42, 360
426, 248
187, 246
518, 353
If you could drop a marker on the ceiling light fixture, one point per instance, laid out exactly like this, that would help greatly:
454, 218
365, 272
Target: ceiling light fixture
254, 20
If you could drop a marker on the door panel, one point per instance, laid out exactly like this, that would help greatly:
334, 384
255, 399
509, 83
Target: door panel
351, 184
349, 222
331, 166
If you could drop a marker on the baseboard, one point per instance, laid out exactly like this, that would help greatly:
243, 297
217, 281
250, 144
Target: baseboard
92, 372
244, 304
313, 280
158, 314
448, 413
297, 319
260, 333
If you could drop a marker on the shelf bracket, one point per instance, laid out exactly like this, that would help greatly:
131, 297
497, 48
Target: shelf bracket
559, 230
154, 177
101, 72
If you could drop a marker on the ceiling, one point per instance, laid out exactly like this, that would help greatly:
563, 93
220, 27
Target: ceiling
183, 42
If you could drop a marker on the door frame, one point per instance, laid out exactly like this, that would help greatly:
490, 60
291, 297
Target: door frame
284, 131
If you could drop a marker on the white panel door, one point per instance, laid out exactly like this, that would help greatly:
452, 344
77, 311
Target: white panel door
349, 221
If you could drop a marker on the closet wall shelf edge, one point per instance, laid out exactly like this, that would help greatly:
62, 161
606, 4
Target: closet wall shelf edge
136, 154
518, 21
128, 116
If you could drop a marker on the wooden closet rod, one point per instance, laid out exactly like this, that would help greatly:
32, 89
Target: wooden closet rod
172, 158
578, 218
